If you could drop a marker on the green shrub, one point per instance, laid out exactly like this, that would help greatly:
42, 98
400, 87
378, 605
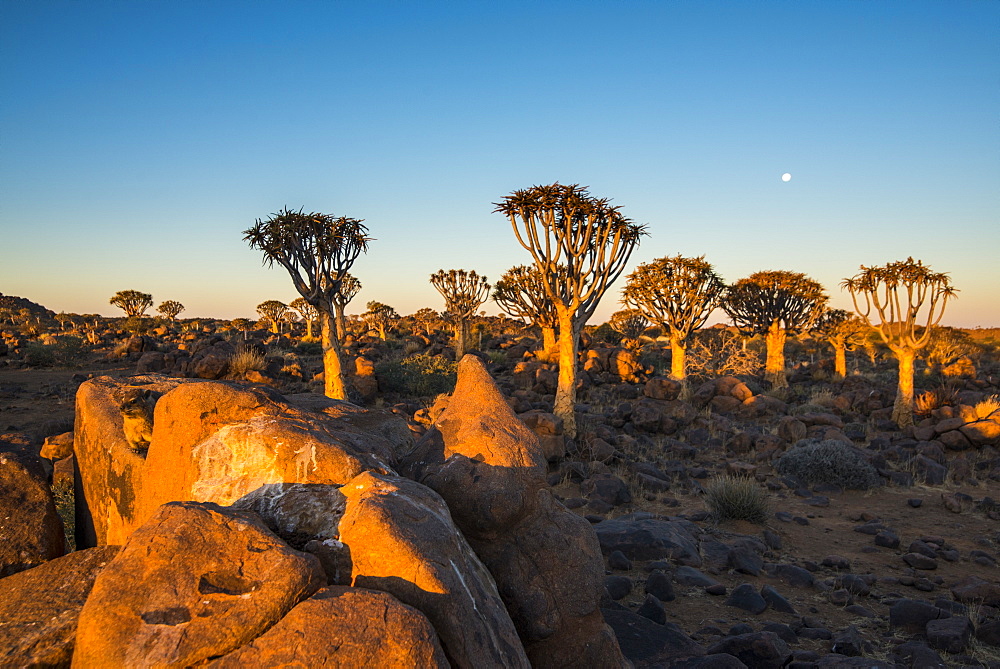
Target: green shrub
830, 461
420, 375
737, 498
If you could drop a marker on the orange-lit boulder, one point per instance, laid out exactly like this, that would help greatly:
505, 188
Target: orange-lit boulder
39, 608
31, 531
216, 441
344, 627
195, 582
402, 541
546, 560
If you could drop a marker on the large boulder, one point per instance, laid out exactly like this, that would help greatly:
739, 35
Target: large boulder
490, 469
402, 541
196, 581
344, 627
30, 528
39, 608
216, 441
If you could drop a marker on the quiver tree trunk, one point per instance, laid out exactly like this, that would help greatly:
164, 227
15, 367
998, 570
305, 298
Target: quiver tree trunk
774, 367
902, 409
333, 377
677, 357
341, 324
549, 342
839, 359
565, 403
461, 338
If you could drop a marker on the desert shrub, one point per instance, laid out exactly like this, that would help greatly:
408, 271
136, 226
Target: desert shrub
656, 357
987, 407
420, 375
737, 498
63, 495
246, 359
306, 347
64, 351
829, 461
935, 398
717, 352
605, 334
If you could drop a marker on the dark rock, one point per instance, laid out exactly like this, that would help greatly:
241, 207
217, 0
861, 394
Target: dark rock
849, 642
776, 600
618, 561
949, 634
859, 610
691, 576
618, 586
652, 608
840, 597
606, 488
641, 537
973, 588
746, 561
745, 597
989, 633
792, 575
919, 561
658, 584
786, 633
887, 539
912, 615
915, 502
31, 530
716, 661
762, 650
918, 654
648, 644
837, 562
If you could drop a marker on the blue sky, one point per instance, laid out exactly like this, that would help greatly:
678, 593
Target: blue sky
138, 140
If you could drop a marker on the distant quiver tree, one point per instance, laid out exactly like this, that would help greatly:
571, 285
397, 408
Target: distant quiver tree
380, 317
678, 294
630, 324
350, 286
463, 293
520, 292
132, 302
774, 304
170, 309
273, 311
317, 250
306, 311
843, 331
580, 245
890, 298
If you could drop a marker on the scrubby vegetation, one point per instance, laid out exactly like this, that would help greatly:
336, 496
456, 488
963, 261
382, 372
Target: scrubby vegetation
737, 498
830, 462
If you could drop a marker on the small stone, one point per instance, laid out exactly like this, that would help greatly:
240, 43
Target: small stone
745, 597
717, 590
841, 597
915, 502
837, 562
618, 561
776, 600
949, 634
920, 561
658, 584
653, 609
618, 586
887, 539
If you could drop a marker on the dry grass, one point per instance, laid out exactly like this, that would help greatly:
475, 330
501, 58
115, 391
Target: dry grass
737, 498
246, 360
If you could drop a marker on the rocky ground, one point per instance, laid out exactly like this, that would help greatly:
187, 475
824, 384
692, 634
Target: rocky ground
902, 574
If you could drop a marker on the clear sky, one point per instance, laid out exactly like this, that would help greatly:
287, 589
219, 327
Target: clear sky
139, 139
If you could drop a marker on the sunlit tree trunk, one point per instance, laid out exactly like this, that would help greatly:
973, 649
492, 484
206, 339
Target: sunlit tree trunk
565, 404
677, 357
461, 338
333, 377
774, 367
902, 409
839, 359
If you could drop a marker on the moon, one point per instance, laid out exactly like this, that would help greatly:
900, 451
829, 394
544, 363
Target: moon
786, 176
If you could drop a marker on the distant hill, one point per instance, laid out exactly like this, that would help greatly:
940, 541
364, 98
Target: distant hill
14, 305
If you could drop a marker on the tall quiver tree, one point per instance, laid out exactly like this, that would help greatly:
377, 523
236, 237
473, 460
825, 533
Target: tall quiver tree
843, 331
890, 299
463, 292
133, 302
678, 294
520, 292
349, 288
273, 311
317, 250
580, 245
775, 305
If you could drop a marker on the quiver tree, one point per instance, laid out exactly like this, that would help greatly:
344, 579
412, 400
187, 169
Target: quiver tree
843, 331
317, 250
350, 286
463, 292
244, 325
890, 299
678, 294
580, 245
425, 317
306, 311
521, 293
170, 309
775, 305
272, 311
379, 317
132, 302
630, 324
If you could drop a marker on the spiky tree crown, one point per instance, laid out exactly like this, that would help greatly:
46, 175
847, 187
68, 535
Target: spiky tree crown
791, 300
350, 286
840, 324
564, 226
170, 309
630, 323
316, 249
462, 291
894, 294
678, 293
132, 302
304, 309
520, 292
272, 310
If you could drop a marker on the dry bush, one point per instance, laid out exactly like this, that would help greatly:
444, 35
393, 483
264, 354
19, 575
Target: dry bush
245, 360
715, 352
829, 461
935, 398
987, 407
737, 498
